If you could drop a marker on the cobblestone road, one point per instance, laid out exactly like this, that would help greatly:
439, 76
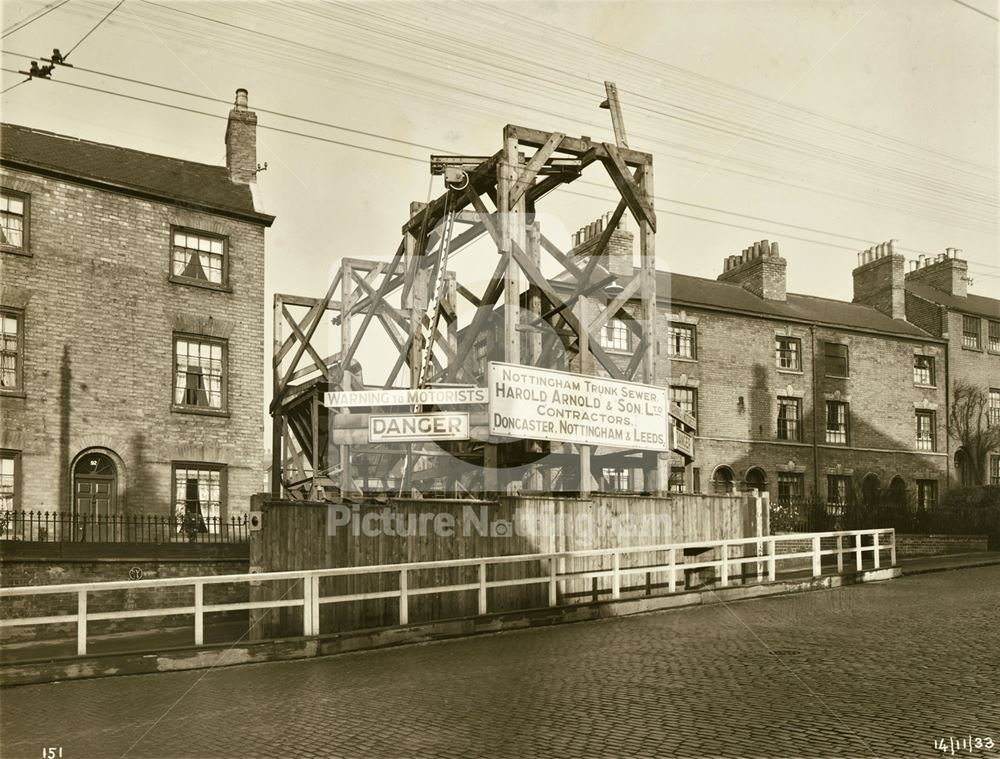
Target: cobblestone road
874, 670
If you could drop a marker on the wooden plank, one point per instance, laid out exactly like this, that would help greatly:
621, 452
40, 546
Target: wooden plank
639, 202
375, 300
616, 304
530, 170
480, 178
318, 361
647, 264
617, 122
318, 310
536, 138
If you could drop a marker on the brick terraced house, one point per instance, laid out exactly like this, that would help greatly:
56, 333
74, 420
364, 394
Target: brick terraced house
131, 305
937, 299
798, 395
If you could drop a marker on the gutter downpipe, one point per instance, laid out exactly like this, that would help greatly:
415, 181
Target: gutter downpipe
816, 412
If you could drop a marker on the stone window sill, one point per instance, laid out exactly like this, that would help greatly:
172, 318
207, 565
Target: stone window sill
200, 411
15, 251
199, 283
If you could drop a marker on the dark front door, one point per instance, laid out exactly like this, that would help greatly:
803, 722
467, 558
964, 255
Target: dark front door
95, 497
95, 486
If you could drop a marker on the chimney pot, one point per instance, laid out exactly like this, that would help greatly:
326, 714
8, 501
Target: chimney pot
765, 248
892, 246
958, 252
241, 141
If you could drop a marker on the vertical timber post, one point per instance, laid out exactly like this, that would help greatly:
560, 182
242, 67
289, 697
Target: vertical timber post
658, 464
347, 381
277, 420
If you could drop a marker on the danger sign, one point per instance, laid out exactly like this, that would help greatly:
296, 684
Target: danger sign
403, 428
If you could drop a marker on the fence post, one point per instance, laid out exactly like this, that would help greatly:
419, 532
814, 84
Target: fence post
553, 596
482, 588
307, 606
404, 610
616, 578
840, 554
817, 558
892, 546
724, 571
772, 563
672, 570
81, 623
314, 581
875, 548
858, 561
199, 614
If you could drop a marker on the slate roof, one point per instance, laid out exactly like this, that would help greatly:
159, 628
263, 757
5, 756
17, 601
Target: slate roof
172, 179
686, 290
695, 291
971, 304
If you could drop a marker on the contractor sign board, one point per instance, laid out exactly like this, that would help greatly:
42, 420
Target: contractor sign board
544, 404
397, 396
411, 428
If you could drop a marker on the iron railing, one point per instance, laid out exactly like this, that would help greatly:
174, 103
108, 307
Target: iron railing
812, 515
66, 527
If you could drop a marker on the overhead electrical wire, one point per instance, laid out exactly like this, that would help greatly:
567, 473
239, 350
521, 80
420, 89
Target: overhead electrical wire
393, 154
423, 146
882, 192
29, 20
94, 28
559, 35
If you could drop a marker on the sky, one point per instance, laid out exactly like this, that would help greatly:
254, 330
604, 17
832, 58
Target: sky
826, 125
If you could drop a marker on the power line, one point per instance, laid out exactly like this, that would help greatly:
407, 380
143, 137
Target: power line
977, 10
18, 84
432, 148
94, 28
956, 210
393, 154
27, 21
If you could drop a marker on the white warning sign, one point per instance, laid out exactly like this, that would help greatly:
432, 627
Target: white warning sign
544, 404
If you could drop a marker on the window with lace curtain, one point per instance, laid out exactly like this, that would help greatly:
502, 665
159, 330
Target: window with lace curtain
199, 491
199, 373
198, 258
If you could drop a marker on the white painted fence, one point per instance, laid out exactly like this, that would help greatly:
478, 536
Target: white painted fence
765, 556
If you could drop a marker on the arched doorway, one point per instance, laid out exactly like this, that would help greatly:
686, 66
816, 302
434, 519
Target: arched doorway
723, 480
962, 470
871, 487
95, 485
897, 492
756, 479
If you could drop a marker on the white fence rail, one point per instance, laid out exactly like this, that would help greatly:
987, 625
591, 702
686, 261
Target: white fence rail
556, 571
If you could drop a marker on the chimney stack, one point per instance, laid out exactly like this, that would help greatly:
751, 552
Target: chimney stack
241, 141
879, 279
760, 269
946, 271
617, 258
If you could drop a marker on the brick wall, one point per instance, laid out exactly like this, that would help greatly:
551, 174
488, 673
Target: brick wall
100, 315
735, 359
16, 572
929, 545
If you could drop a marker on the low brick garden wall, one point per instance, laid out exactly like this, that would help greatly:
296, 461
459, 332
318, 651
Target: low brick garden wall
22, 565
930, 545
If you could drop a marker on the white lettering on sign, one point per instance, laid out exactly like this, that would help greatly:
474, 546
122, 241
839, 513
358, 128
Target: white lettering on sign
574, 408
683, 443
417, 427
428, 396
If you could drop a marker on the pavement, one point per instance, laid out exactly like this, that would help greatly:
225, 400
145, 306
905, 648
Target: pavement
884, 669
